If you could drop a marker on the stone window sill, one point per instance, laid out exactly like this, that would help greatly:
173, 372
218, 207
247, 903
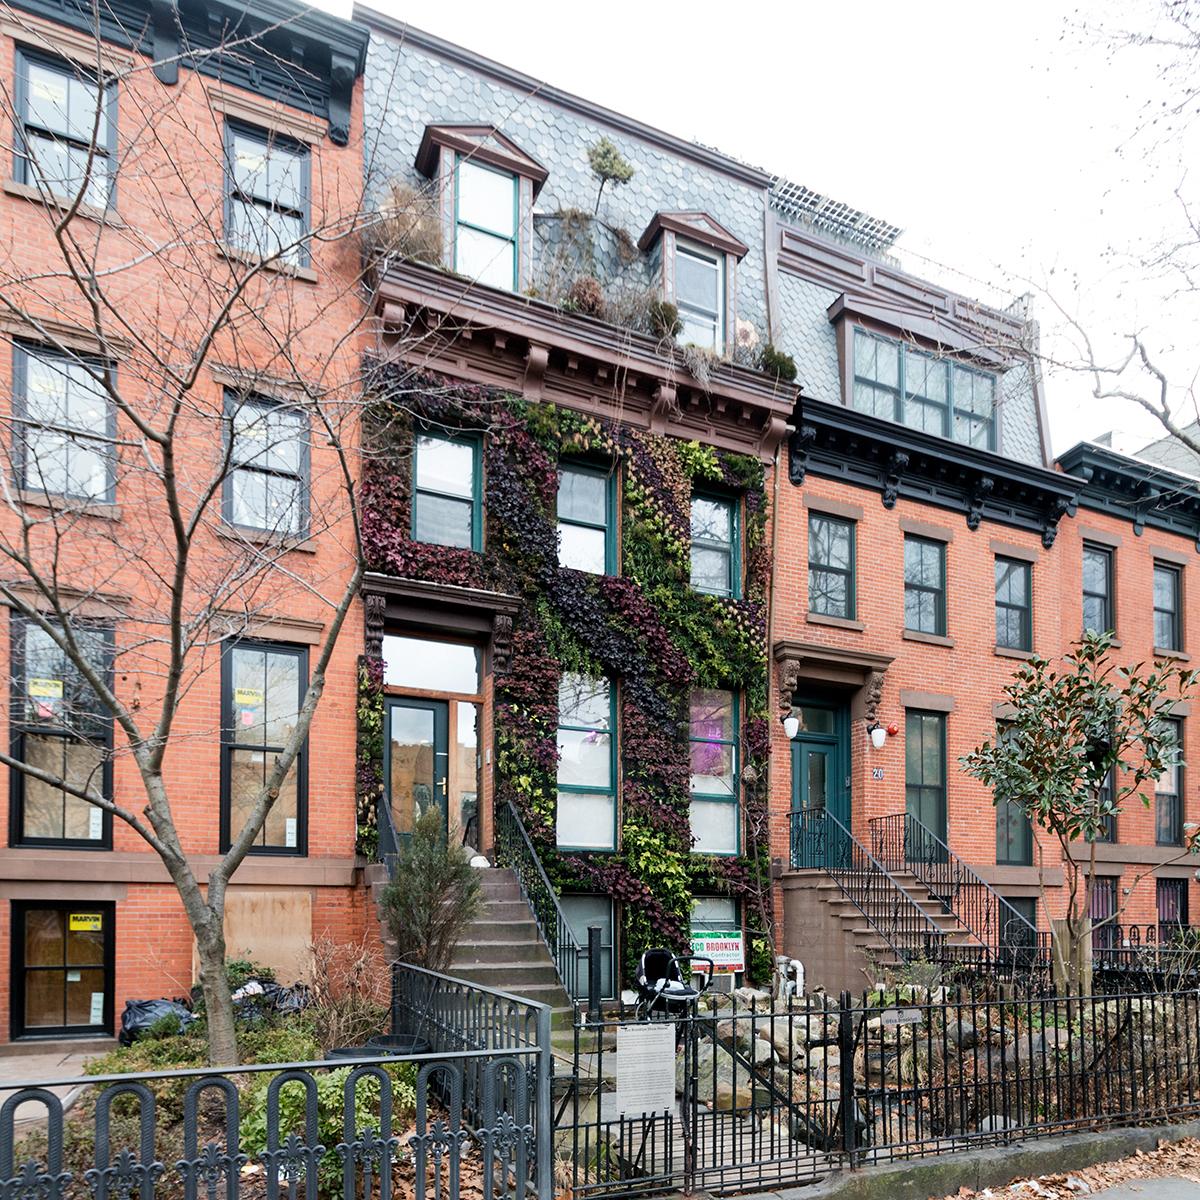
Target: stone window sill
233, 254
1178, 655
837, 622
25, 191
930, 639
259, 537
71, 508
1013, 652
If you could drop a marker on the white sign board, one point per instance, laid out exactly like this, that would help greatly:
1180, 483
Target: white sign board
726, 948
645, 1069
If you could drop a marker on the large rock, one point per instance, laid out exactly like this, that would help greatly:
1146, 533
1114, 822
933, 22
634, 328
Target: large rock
713, 1064
753, 999
962, 1034
730, 1098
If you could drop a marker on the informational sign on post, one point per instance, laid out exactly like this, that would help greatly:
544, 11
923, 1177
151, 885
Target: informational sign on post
726, 948
645, 1069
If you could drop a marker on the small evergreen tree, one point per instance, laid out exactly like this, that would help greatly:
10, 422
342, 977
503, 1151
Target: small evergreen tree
609, 165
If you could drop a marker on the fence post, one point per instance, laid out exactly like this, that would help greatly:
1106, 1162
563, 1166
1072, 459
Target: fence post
846, 1077
594, 936
544, 1108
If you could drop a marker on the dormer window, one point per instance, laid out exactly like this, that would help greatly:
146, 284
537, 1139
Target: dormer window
697, 261
486, 185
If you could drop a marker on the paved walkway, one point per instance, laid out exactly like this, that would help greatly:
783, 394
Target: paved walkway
56, 1064
1170, 1188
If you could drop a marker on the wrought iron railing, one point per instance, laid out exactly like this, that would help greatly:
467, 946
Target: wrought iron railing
389, 838
1000, 933
514, 850
819, 839
1159, 948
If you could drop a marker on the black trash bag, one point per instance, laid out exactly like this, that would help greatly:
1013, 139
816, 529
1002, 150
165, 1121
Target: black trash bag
255, 1000
291, 999
140, 1015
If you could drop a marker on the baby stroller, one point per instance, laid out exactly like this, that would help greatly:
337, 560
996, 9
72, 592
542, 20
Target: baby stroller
663, 990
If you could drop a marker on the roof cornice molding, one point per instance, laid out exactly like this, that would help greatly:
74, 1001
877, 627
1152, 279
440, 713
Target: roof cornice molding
479, 65
1134, 490
835, 442
446, 323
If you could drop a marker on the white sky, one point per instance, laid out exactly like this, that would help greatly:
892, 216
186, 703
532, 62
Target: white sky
992, 134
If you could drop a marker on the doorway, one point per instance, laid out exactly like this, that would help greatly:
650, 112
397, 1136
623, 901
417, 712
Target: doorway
62, 969
416, 756
820, 779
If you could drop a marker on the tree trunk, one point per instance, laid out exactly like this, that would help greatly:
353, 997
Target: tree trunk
218, 1001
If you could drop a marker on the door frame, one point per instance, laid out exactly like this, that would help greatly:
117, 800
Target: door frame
17, 911
441, 735
838, 741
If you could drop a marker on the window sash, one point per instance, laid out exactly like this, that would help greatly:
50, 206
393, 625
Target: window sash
267, 464
1102, 598
234, 751
473, 500
918, 588
1166, 619
504, 237
816, 566
606, 526
608, 792
733, 742
268, 211
694, 310
1022, 609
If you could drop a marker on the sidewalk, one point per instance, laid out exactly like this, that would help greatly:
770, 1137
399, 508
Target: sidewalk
50, 1064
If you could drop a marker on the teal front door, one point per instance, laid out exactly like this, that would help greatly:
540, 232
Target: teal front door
820, 781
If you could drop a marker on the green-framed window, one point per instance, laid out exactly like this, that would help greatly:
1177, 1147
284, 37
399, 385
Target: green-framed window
486, 203
925, 585
1168, 589
924, 390
716, 548
831, 553
447, 485
714, 751
587, 528
1097, 588
587, 764
1014, 603
1168, 792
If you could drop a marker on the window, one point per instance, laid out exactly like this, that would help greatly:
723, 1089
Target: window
924, 585
582, 912
267, 484
925, 770
924, 391
1167, 632
1014, 830
262, 689
1018, 929
1014, 604
65, 430
700, 296
715, 546
587, 808
1103, 908
60, 727
1108, 828
266, 194
1097, 588
485, 225
713, 735
63, 115
586, 530
446, 491
830, 566
1168, 792
1171, 896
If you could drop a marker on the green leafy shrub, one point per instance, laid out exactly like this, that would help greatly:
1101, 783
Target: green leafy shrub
772, 361
432, 897
664, 319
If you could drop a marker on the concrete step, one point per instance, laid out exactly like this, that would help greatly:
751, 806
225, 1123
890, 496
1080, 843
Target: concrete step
469, 951
506, 911
507, 976
497, 931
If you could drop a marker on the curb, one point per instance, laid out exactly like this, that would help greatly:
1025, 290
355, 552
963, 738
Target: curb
992, 1166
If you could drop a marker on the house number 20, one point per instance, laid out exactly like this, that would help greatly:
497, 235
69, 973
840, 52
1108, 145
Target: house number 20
876, 772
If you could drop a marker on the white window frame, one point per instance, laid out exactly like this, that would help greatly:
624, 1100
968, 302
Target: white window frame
717, 259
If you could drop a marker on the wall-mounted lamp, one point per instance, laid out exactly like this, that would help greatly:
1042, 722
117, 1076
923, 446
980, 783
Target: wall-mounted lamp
878, 735
791, 725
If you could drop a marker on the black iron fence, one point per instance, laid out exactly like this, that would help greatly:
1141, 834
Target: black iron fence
752, 1095
463, 1105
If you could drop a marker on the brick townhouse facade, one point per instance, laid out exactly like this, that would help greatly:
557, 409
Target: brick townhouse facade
691, 625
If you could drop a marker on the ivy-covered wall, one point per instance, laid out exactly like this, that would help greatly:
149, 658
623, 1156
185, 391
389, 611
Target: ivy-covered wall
644, 628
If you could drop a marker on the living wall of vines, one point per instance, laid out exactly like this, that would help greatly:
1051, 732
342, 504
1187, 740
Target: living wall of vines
645, 628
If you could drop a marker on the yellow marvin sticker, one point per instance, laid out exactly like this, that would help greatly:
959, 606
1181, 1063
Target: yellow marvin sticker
45, 689
85, 922
247, 697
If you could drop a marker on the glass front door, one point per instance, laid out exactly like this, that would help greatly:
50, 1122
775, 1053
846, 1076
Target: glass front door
820, 780
62, 969
417, 762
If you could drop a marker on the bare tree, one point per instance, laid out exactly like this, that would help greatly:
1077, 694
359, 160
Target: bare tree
182, 452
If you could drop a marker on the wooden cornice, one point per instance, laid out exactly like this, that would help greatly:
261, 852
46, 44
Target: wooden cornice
435, 320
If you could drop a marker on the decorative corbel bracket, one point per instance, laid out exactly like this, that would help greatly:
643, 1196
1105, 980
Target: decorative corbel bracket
897, 465
502, 639
342, 74
375, 608
536, 358
1055, 513
799, 447
981, 490
164, 27
1149, 499
393, 316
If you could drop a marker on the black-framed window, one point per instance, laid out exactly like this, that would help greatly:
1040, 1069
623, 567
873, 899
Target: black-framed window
447, 489
267, 485
925, 769
1168, 792
267, 194
716, 545
924, 585
587, 523
1102, 909
262, 689
1171, 901
1168, 632
1097, 588
1108, 827
831, 552
1014, 604
1014, 829
65, 425
65, 115
60, 727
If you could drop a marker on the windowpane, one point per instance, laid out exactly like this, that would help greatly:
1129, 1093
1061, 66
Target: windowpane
427, 665
583, 701
586, 820
487, 199
62, 169
266, 232
924, 585
440, 521
266, 488
711, 570
1097, 588
712, 520
714, 826
584, 525
445, 466
1166, 607
830, 566
714, 913
697, 280
489, 260
582, 496
585, 760
1014, 614
713, 735
713, 534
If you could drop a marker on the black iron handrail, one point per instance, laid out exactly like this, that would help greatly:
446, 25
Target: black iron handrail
514, 850
819, 839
